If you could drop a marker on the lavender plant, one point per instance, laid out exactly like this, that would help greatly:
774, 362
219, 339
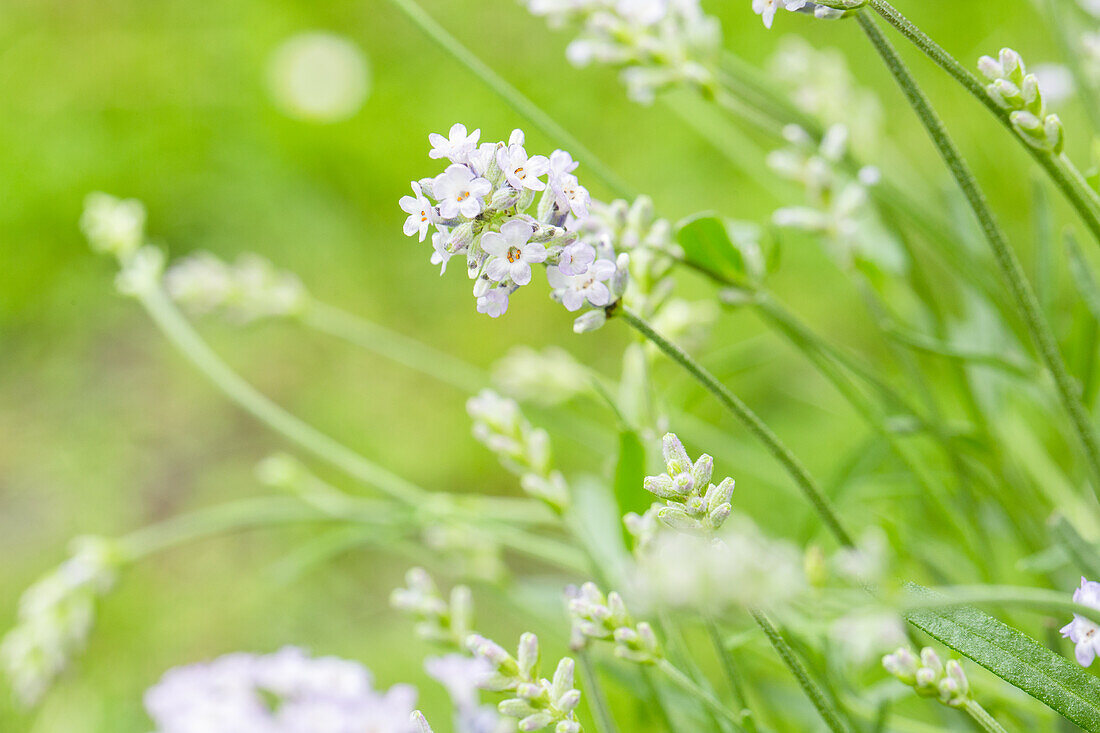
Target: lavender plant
968, 478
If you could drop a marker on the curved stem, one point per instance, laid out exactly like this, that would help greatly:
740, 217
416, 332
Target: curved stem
601, 712
514, 97
685, 683
982, 717
733, 676
794, 664
1009, 265
1061, 171
749, 419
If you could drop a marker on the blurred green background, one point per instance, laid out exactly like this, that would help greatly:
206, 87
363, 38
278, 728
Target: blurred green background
103, 428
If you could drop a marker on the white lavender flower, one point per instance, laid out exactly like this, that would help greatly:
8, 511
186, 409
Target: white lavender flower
247, 290
692, 503
521, 448
283, 692
112, 225
738, 567
548, 377
1014, 89
655, 43
460, 675
55, 616
1084, 632
536, 702
439, 621
480, 207
929, 676
595, 616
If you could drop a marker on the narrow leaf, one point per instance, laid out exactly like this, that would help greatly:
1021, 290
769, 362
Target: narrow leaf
1014, 657
1083, 555
629, 473
708, 246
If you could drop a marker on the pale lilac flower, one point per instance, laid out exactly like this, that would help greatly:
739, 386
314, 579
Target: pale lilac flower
440, 254
574, 290
494, 303
576, 258
511, 253
460, 192
457, 146
233, 694
419, 210
1083, 632
520, 170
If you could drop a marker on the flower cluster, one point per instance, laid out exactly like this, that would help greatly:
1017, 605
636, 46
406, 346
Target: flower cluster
738, 567
478, 206
438, 620
655, 43
767, 9
693, 503
56, 615
548, 377
837, 204
929, 676
284, 692
538, 702
1083, 632
113, 226
247, 290
522, 449
596, 616
821, 84
1012, 88
460, 675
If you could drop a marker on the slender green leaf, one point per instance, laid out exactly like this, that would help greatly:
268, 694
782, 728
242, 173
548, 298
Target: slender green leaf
629, 473
1014, 657
1086, 284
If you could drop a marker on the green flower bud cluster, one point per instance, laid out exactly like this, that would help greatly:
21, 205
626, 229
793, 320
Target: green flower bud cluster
929, 676
1012, 88
693, 503
438, 620
596, 616
537, 702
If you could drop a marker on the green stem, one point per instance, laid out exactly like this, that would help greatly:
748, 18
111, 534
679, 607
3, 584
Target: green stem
982, 717
1006, 259
794, 664
730, 670
514, 97
749, 419
685, 683
601, 712
1061, 171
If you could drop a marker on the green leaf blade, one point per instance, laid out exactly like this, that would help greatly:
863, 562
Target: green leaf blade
1016, 658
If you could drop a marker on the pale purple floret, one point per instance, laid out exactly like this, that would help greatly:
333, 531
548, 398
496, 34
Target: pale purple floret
1083, 632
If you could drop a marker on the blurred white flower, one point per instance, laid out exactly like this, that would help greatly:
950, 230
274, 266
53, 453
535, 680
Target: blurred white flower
1056, 81
112, 225
318, 76
247, 290
56, 615
864, 635
284, 692
546, 377
739, 567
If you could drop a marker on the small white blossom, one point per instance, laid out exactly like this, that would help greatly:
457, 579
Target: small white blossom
511, 254
419, 210
460, 192
520, 170
440, 254
767, 9
591, 286
493, 303
576, 258
247, 290
457, 146
1083, 632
